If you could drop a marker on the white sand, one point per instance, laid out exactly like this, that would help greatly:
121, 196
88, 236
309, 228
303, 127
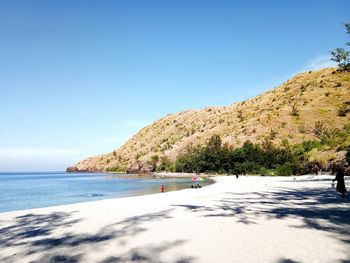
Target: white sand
252, 219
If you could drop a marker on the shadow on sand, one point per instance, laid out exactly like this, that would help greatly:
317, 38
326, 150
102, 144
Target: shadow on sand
318, 208
36, 234
50, 237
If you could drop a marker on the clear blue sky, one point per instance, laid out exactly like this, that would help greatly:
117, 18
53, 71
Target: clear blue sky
77, 78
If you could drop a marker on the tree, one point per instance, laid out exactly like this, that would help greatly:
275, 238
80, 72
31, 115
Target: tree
154, 162
347, 26
341, 55
347, 156
212, 153
166, 164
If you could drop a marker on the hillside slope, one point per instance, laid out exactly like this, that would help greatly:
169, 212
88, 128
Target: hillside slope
289, 111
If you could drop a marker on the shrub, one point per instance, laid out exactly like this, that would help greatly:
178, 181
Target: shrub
347, 156
154, 161
267, 172
343, 110
115, 169
166, 164
284, 169
295, 110
302, 128
272, 134
222, 171
240, 116
319, 129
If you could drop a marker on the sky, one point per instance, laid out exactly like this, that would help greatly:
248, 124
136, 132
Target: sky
78, 78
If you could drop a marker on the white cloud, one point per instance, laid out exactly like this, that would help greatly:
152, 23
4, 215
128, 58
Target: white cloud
35, 159
132, 124
318, 62
321, 61
22, 152
113, 142
116, 135
26, 155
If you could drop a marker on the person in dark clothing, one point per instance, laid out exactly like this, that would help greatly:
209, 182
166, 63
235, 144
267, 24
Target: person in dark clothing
339, 177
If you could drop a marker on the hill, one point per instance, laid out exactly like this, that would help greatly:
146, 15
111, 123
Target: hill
300, 109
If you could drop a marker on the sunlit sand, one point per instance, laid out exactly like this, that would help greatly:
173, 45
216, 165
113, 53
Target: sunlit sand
250, 219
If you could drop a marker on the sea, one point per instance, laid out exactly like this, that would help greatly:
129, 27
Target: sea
28, 190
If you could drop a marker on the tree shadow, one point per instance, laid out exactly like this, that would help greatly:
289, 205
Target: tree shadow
31, 226
127, 227
286, 260
318, 208
150, 253
35, 234
59, 258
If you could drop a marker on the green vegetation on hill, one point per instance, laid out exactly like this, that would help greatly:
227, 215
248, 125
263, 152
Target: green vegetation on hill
266, 158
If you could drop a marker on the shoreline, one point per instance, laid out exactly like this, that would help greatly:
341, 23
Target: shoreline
250, 219
143, 192
85, 204
168, 175
163, 175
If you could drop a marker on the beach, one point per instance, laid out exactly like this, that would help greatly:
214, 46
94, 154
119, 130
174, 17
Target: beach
250, 219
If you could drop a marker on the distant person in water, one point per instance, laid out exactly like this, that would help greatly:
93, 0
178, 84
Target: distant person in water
339, 177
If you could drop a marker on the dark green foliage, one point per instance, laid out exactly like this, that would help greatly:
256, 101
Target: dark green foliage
341, 55
347, 156
285, 169
295, 111
154, 161
115, 169
343, 110
250, 158
166, 164
265, 158
267, 172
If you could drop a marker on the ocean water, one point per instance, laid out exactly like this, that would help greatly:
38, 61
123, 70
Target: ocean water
20, 191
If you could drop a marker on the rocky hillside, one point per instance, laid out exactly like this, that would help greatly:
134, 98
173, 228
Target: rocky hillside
295, 111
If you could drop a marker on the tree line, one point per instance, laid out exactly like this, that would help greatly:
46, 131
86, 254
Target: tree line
264, 158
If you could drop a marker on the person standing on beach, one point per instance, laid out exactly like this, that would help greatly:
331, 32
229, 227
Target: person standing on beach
339, 177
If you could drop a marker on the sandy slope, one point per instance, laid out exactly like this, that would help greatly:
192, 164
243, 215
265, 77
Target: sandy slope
252, 219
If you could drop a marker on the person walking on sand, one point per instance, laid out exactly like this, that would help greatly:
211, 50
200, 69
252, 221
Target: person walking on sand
339, 177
